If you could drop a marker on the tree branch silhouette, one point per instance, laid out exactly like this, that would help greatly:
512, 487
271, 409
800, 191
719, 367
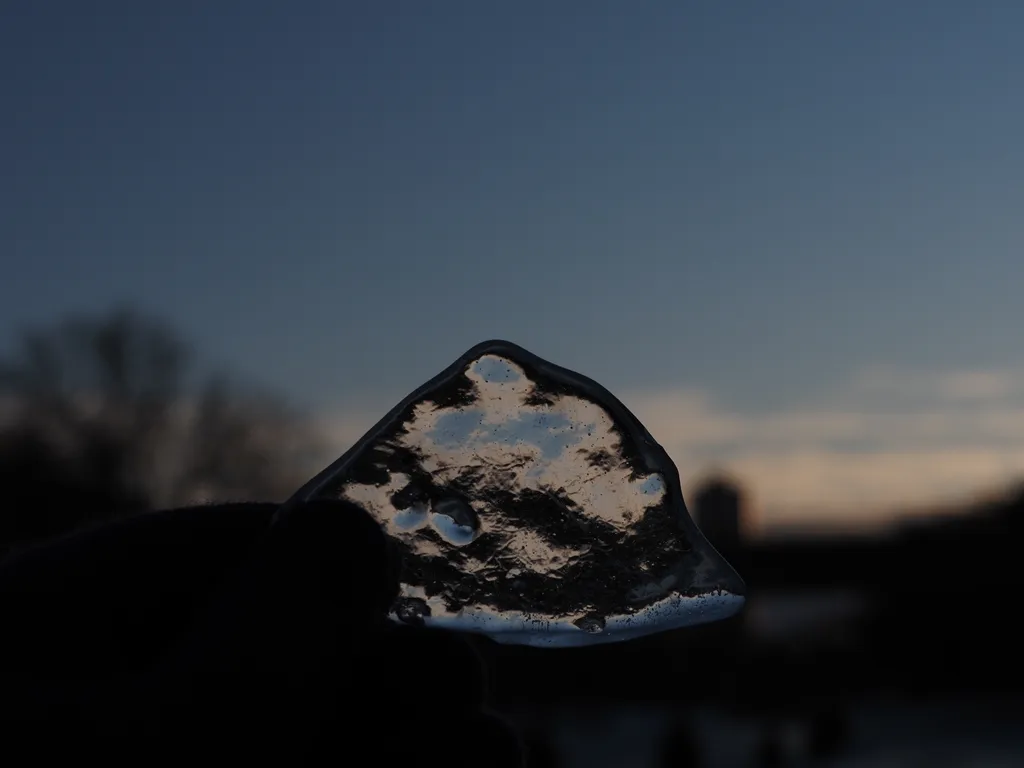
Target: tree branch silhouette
108, 409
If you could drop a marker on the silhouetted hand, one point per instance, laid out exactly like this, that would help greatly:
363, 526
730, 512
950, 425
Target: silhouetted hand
194, 635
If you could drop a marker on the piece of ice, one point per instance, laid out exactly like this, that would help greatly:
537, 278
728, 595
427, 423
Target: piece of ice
531, 506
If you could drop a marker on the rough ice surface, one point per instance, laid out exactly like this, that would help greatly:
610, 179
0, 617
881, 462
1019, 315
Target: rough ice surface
531, 506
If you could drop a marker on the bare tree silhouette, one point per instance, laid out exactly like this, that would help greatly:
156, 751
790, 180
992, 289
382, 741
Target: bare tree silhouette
107, 409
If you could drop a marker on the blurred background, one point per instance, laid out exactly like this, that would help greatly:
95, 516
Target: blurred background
234, 234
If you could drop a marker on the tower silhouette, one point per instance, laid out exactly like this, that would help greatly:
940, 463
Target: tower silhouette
718, 512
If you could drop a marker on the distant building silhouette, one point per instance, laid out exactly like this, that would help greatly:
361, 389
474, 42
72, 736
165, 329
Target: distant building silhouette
718, 512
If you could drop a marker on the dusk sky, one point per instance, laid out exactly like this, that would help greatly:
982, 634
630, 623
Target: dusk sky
788, 235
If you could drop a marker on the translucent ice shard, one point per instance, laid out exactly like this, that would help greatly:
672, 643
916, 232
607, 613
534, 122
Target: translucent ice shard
531, 506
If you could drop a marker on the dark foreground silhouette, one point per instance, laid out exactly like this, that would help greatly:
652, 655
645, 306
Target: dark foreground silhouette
191, 634
681, 748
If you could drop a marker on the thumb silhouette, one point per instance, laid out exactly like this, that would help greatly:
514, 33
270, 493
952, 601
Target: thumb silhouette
271, 644
211, 631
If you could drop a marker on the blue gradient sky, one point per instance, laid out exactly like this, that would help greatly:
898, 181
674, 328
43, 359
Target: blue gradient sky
749, 209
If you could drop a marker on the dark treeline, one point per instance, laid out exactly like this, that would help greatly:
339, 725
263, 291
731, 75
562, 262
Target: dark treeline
107, 415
